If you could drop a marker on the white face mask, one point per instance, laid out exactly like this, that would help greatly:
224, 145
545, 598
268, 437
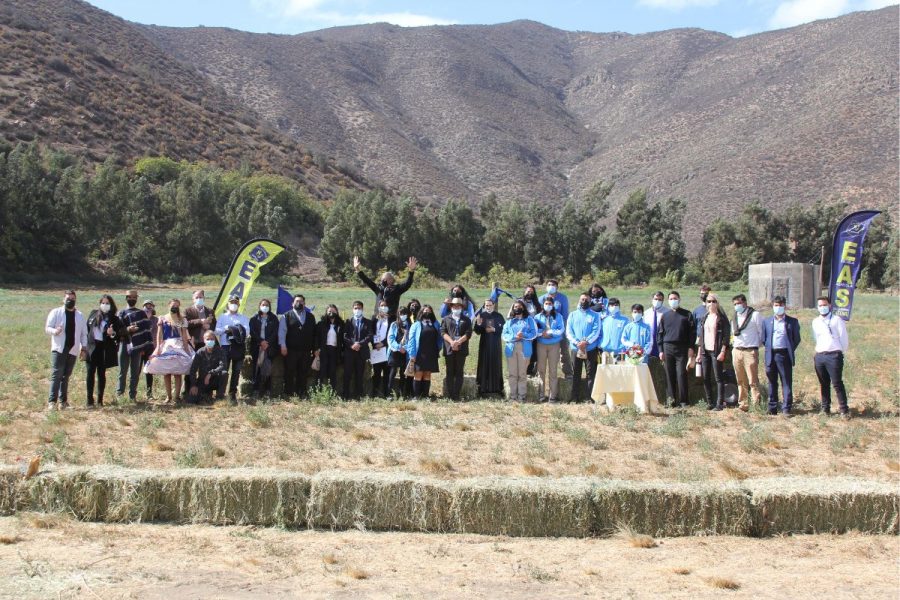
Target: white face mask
488, 309
198, 302
824, 310
357, 312
657, 304
551, 289
233, 307
404, 318
104, 308
383, 310
613, 310
264, 309
636, 317
456, 312
548, 308
674, 303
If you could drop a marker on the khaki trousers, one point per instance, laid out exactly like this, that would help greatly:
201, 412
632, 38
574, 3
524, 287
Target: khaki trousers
547, 362
518, 374
746, 370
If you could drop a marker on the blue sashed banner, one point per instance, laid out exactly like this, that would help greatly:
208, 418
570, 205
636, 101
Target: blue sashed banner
846, 257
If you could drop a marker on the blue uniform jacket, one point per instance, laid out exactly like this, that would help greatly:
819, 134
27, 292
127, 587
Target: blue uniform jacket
584, 325
557, 328
560, 303
613, 325
412, 346
512, 327
638, 334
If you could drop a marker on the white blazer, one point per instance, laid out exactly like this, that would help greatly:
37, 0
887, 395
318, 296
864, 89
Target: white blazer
57, 318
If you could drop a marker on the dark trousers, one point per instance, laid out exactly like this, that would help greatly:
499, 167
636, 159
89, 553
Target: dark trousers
780, 367
713, 371
61, 366
676, 373
354, 365
381, 379
328, 363
296, 372
96, 367
205, 390
148, 378
234, 366
453, 381
590, 367
129, 364
830, 371
400, 384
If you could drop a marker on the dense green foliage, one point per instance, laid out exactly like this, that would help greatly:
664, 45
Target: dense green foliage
159, 220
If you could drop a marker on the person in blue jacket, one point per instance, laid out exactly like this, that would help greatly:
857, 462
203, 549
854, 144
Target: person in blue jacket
550, 328
613, 325
638, 333
398, 335
423, 348
561, 304
458, 291
782, 336
518, 332
584, 336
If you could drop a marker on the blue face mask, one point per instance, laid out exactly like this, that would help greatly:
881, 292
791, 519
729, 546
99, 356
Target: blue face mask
779, 310
739, 308
637, 317
210, 344
824, 310
674, 303
551, 289
613, 310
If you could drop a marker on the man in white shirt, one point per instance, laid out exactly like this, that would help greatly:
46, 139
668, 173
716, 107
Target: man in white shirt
747, 331
68, 340
832, 341
652, 318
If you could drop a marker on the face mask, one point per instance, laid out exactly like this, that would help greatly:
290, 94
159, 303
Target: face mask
427, 315
456, 312
383, 310
518, 311
529, 295
404, 318
584, 305
657, 304
331, 315
674, 303
174, 310
613, 310
198, 302
131, 301
210, 344
739, 308
824, 310
779, 310
637, 317
357, 312
149, 311
298, 306
548, 308
264, 309
104, 307
488, 309
456, 294
70, 304
551, 289
414, 309
703, 298
233, 307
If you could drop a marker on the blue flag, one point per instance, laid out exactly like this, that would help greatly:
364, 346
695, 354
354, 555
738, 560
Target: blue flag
285, 301
846, 259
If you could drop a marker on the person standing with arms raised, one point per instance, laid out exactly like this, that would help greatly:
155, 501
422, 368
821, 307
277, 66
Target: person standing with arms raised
388, 289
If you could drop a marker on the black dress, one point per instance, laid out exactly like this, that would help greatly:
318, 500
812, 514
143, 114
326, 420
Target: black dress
489, 374
427, 357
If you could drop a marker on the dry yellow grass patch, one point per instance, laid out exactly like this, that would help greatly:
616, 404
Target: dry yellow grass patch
359, 435
160, 446
723, 583
44, 521
329, 559
355, 573
435, 465
893, 465
534, 470
732, 471
123, 421
521, 432
7, 540
633, 538
460, 426
681, 571
406, 406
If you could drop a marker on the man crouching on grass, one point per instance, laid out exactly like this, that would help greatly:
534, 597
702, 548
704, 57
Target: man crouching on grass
207, 368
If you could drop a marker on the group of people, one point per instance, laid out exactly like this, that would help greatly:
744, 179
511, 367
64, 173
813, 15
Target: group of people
201, 355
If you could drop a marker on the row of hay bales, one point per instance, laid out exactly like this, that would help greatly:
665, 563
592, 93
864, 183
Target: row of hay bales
576, 507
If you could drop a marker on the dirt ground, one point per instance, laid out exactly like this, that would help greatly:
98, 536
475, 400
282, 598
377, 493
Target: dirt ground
44, 556
461, 440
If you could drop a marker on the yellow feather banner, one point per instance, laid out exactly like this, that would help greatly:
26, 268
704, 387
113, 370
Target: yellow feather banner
244, 270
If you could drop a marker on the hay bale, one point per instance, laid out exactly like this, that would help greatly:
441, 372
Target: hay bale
523, 507
233, 497
378, 501
469, 388
670, 509
9, 490
823, 505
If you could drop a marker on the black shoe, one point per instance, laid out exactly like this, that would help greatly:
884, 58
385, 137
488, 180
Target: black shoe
719, 407
772, 412
711, 407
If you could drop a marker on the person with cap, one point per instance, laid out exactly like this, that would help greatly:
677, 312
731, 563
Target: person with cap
150, 310
134, 345
68, 340
713, 344
585, 334
207, 369
388, 289
104, 329
518, 333
550, 329
232, 329
263, 346
358, 334
637, 332
489, 371
613, 326
832, 341
675, 339
297, 340
456, 331
781, 335
561, 305
746, 329
424, 348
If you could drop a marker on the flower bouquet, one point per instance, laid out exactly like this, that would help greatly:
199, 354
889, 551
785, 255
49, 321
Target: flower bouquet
635, 355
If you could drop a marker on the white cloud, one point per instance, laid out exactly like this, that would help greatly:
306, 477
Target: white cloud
876, 4
797, 12
314, 11
677, 4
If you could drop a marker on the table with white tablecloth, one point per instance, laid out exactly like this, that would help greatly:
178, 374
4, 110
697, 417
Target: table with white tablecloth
625, 384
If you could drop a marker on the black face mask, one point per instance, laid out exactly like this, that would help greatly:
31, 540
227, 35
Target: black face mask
529, 295
427, 315
414, 309
70, 304
131, 302
585, 304
703, 298
298, 306
518, 311
331, 316
174, 310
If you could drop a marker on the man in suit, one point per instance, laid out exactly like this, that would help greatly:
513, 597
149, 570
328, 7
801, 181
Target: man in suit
456, 329
358, 332
200, 319
297, 338
68, 340
782, 336
675, 338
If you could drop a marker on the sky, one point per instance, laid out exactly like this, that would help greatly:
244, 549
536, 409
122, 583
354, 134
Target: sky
734, 17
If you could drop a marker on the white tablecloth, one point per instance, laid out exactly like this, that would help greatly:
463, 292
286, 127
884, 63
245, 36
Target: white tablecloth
623, 382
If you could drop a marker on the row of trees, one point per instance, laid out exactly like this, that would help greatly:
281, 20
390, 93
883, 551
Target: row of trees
157, 220
164, 219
